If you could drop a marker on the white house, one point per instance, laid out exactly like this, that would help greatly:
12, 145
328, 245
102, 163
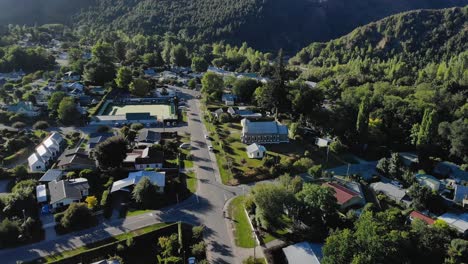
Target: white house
303, 253
44, 153
157, 178
53, 143
71, 76
256, 151
323, 142
65, 192
429, 181
35, 163
457, 221
41, 193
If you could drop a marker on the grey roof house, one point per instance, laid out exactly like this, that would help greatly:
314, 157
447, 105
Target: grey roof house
269, 132
51, 175
65, 192
148, 137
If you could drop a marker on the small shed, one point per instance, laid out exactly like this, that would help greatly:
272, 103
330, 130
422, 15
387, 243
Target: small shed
41, 193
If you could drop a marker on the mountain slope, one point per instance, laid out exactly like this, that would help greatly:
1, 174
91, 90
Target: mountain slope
264, 24
415, 37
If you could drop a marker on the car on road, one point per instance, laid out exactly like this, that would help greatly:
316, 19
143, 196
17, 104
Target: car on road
185, 146
198, 97
210, 148
207, 137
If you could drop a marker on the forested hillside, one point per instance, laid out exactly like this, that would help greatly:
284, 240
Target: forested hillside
414, 37
264, 24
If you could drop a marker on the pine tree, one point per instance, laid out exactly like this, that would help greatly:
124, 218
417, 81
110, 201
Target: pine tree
362, 124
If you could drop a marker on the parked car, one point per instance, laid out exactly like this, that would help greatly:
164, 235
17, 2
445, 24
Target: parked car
210, 148
185, 146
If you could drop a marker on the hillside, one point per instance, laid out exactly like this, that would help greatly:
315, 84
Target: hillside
264, 24
415, 37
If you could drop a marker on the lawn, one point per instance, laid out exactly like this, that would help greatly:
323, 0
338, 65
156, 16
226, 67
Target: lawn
103, 243
134, 212
243, 232
191, 180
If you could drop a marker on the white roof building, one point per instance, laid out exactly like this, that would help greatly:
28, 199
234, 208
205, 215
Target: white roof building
457, 221
429, 181
44, 152
35, 163
41, 193
157, 178
392, 191
303, 253
256, 151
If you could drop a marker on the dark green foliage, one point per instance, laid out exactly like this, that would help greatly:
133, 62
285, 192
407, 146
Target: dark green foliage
77, 217
111, 152
145, 193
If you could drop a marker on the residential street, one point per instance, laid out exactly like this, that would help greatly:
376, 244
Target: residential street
205, 208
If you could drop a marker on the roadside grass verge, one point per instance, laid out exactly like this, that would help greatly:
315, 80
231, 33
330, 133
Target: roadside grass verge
242, 233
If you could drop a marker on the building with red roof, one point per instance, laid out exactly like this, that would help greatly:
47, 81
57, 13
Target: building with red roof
421, 216
347, 196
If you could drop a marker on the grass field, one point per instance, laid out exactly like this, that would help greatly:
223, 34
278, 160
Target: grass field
160, 110
242, 232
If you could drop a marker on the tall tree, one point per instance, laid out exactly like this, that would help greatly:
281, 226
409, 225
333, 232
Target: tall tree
145, 193
124, 78
212, 86
362, 123
111, 153
67, 111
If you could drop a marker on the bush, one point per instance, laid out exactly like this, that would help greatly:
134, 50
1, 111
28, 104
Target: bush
315, 171
199, 249
77, 217
18, 125
337, 147
303, 164
41, 125
197, 232
137, 126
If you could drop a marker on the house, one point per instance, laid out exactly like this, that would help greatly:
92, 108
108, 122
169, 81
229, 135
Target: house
347, 197
244, 113
165, 92
218, 112
460, 194
141, 159
229, 99
255, 151
71, 76
41, 193
157, 178
51, 175
97, 138
323, 142
148, 137
457, 221
150, 72
429, 181
75, 159
25, 108
97, 90
391, 191
232, 111
54, 143
303, 253
76, 86
448, 169
65, 192
44, 153
418, 215
408, 158
269, 132
35, 163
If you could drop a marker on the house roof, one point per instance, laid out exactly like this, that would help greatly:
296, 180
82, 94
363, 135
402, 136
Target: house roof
461, 192
450, 169
146, 135
255, 147
138, 116
342, 194
96, 138
41, 193
51, 175
75, 157
150, 156
228, 97
303, 253
268, 127
158, 178
389, 189
42, 150
27, 106
34, 158
54, 138
60, 190
421, 216
427, 179
457, 221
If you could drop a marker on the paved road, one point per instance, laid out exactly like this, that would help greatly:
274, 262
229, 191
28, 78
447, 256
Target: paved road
206, 207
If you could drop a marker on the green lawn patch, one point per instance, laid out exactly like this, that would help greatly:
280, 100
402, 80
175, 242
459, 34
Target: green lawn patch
191, 180
242, 232
134, 212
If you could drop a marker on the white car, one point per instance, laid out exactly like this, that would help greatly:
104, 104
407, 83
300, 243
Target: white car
185, 146
210, 148
207, 137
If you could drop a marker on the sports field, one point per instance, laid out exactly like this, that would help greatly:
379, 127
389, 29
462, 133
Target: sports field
159, 110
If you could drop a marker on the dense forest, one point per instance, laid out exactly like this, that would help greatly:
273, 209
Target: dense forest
401, 81
266, 25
